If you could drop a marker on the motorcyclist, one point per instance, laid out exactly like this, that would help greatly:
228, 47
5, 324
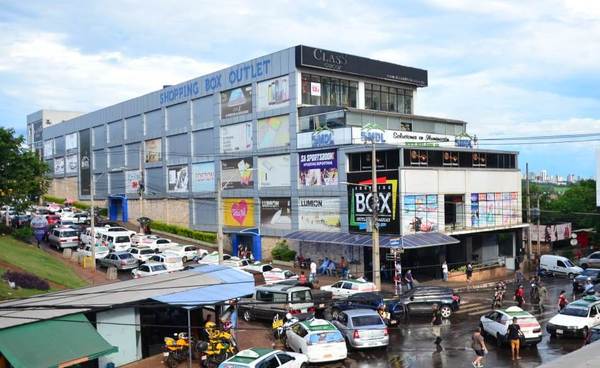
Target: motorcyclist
589, 287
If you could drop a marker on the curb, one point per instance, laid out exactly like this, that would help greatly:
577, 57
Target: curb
486, 285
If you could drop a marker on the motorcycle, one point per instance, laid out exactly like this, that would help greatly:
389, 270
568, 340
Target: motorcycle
176, 349
220, 345
280, 325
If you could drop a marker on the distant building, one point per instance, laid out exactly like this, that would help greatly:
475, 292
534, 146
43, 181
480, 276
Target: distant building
571, 178
39, 120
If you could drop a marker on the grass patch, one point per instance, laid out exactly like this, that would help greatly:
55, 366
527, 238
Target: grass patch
7, 293
38, 262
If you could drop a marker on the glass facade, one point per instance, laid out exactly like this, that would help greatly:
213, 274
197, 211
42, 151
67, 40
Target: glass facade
321, 90
384, 98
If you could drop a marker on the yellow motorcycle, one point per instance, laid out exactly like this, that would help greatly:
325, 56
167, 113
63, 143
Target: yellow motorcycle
176, 349
220, 345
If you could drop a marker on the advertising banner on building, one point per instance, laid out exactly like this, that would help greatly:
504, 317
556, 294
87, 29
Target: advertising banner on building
132, 181
318, 168
474, 210
71, 141
495, 209
236, 101
421, 214
276, 213
84, 162
319, 213
177, 179
360, 202
402, 138
236, 173
239, 212
274, 132
203, 177
48, 148
71, 164
324, 138
236, 138
59, 166
274, 171
273, 93
153, 150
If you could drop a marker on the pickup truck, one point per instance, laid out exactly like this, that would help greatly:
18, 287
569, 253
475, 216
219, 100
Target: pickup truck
321, 298
271, 300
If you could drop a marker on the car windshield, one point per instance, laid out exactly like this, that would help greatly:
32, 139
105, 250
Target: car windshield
325, 337
125, 256
569, 264
122, 239
575, 311
301, 296
67, 234
158, 268
590, 272
366, 321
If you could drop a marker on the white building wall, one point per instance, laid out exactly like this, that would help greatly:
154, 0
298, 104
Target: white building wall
120, 329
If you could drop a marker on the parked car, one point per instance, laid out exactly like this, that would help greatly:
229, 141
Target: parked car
61, 238
271, 300
236, 262
496, 324
142, 254
576, 318
277, 275
265, 358
81, 218
187, 252
321, 298
319, 339
21, 220
592, 260
421, 299
580, 280
362, 328
159, 244
52, 219
119, 241
149, 269
142, 239
372, 301
344, 288
86, 236
100, 252
213, 258
120, 260
553, 265
171, 261
259, 267
595, 334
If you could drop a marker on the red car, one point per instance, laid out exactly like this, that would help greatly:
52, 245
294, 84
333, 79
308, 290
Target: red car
52, 219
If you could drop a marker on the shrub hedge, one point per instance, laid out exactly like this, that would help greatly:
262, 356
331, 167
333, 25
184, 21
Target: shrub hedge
282, 252
26, 280
80, 205
184, 231
23, 233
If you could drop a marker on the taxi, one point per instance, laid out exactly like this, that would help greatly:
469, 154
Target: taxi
258, 357
496, 325
344, 288
319, 339
576, 319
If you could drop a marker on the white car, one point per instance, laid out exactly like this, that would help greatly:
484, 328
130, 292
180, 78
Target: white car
159, 244
236, 262
187, 252
496, 324
171, 261
265, 358
86, 236
576, 319
277, 275
142, 254
213, 258
101, 251
117, 241
139, 239
258, 267
319, 339
149, 269
344, 288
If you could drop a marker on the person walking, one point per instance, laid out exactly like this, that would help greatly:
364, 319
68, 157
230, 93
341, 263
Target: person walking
562, 300
445, 271
344, 268
302, 278
514, 336
408, 278
478, 345
313, 272
436, 323
543, 294
534, 294
469, 273
520, 296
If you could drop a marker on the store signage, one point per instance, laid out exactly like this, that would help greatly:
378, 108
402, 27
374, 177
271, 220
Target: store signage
239, 212
318, 168
360, 201
180, 92
349, 64
323, 138
400, 138
276, 213
315, 89
372, 134
237, 75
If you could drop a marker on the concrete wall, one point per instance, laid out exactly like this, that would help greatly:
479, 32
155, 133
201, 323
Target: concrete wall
450, 181
64, 188
171, 211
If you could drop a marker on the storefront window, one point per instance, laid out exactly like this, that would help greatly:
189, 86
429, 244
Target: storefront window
318, 90
386, 98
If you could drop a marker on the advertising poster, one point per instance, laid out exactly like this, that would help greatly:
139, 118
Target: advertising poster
177, 179
132, 181
276, 213
506, 213
153, 150
514, 207
239, 212
318, 168
84, 162
360, 202
70, 141
203, 177
48, 148
319, 213
237, 173
236, 101
59, 166
421, 214
474, 210
273, 94
236, 138
274, 171
274, 132
71, 164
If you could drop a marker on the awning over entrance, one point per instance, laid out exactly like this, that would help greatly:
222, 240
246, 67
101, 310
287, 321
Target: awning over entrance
419, 240
58, 342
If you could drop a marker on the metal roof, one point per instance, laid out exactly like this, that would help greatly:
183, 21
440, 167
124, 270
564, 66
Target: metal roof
409, 241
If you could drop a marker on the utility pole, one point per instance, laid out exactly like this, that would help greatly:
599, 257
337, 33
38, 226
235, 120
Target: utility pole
528, 213
539, 247
374, 211
142, 187
92, 221
220, 219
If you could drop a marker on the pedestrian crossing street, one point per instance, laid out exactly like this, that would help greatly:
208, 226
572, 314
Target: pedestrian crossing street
479, 307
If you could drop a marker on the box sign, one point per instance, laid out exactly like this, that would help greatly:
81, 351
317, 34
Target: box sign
276, 213
273, 93
59, 166
274, 171
355, 65
133, 178
324, 138
319, 213
177, 179
238, 212
360, 201
203, 177
402, 138
318, 168
274, 132
236, 101
71, 164
237, 173
236, 138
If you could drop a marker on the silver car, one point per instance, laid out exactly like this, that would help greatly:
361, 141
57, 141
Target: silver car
592, 260
63, 237
120, 260
362, 328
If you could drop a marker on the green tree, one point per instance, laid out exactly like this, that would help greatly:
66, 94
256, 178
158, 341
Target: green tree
575, 202
23, 175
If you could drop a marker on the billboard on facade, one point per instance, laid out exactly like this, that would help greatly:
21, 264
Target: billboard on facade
236, 137
324, 138
273, 132
59, 166
70, 141
153, 150
421, 214
177, 179
133, 179
276, 213
236, 101
239, 212
274, 171
495, 209
319, 213
71, 164
48, 148
273, 93
360, 201
236, 173
318, 168
203, 177
84, 162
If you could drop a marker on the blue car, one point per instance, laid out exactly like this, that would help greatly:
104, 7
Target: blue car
370, 300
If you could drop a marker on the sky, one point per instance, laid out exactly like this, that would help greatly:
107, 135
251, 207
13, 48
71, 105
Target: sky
508, 68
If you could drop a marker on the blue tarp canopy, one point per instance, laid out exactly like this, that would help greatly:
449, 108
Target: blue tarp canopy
222, 283
409, 241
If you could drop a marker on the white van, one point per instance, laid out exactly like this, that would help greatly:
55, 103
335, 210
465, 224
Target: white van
117, 241
558, 265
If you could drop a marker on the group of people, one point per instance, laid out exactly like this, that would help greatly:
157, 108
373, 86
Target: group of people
245, 253
329, 267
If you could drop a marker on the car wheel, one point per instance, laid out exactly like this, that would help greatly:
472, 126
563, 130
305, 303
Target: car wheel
304, 365
247, 315
335, 313
585, 332
584, 266
483, 333
571, 276
499, 340
184, 259
446, 311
